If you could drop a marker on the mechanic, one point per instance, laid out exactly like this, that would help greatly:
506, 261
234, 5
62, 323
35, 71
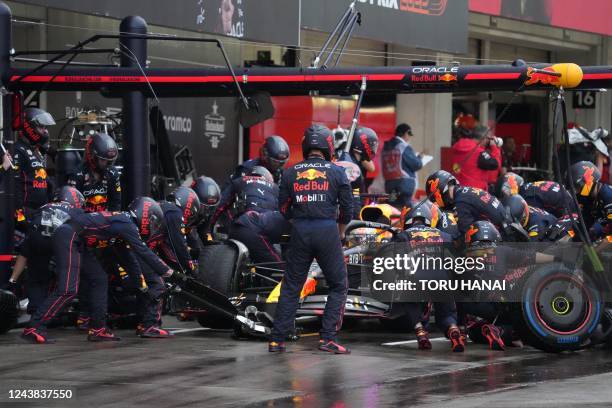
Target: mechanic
419, 232
181, 212
539, 224
471, 204
91, 230
37, 251
549, 196
97, 178
594, 197
358, 161
273, 155
399, 165
253, 193
475, 156
209, 194
315, 195
32, 187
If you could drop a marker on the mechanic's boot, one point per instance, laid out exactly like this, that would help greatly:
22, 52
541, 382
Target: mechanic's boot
35, 336
82, 323
277, 347
140, 328
493, 336
154, 332
332, 347
422, 338
457, 339
102, 334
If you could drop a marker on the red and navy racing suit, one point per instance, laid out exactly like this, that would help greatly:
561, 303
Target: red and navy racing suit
253, 196
598, 213
171, 243
424, 236
540, 223
70, 242
315, 194
246, 167
473, 204
447, 223
356, 175
101, 194
549, 196
38, 249
32, 187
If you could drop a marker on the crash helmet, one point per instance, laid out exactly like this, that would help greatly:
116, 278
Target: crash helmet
101, 151
517, 208
70, 195
584, 175
209, 193
261, 171
318, 137
274, 153
482, 234
148, 216
187, 200
365, 142
438, 186
420, 211
34, 126
510, 184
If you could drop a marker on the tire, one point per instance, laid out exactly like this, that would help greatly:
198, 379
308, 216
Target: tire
558, 310
8, 311
218, 268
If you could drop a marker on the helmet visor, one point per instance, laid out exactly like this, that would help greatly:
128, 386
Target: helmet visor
43, 119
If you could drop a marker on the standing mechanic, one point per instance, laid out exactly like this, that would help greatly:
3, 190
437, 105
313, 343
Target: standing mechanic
358, 161
311, 193
273, 155
32, 188
97, 178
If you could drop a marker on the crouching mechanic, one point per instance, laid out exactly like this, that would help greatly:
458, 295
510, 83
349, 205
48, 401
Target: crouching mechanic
78, 230
418, 232
310, 194
594, 197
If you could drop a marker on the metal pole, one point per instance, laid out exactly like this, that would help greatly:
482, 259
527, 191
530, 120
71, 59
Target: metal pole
136, 177
7, 184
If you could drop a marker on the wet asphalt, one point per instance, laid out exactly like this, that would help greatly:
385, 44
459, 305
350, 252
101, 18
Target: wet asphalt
206, 368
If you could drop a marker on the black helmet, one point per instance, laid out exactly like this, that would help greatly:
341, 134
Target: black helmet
414, 212
318, 137
35, 125
510, 184
482, 233
365, 142
437, 188
148, 217
584, 175
187, 200
274, 153
69, 195
518, 209
101, 151
209, 194
261, 171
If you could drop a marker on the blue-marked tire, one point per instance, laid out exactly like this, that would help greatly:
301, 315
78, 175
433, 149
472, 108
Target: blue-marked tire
559, 309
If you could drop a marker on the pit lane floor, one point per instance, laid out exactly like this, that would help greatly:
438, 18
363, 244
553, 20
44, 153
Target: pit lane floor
204, 368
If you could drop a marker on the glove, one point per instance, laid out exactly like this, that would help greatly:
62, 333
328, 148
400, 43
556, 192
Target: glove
174, 276
193, 266
11, 286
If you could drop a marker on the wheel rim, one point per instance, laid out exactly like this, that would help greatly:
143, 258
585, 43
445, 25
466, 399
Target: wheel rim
563, 304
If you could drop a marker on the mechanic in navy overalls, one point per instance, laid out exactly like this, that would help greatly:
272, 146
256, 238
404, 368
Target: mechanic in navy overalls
315, 195
399, 165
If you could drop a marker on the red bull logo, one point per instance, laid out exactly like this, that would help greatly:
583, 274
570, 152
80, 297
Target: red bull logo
40, 173
144, 223
428, 7
311, 174
435, 190
97, 200
541, 78
425, 234
588, 181
514, 188
448, 78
